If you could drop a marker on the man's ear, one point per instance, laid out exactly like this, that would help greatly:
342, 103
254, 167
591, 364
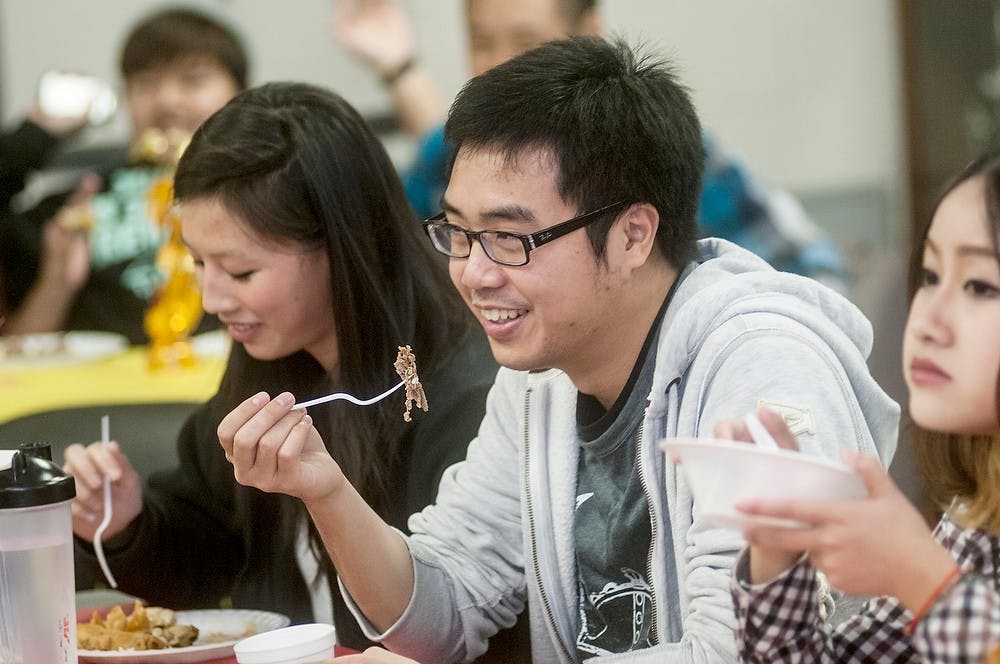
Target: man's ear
637, 227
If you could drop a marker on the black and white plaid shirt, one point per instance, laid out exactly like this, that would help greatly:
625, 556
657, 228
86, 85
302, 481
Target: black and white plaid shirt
781, 621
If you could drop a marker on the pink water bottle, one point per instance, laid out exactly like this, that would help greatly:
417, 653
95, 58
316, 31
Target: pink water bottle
37, 594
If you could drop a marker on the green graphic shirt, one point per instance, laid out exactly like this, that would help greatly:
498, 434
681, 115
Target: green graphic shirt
124, 235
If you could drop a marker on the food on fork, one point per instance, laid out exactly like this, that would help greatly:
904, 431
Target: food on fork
152, 628
406, 367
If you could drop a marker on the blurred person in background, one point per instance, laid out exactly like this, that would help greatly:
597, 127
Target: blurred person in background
734, 205
86, 259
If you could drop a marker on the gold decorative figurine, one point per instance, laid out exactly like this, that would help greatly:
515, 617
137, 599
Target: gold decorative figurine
175, 307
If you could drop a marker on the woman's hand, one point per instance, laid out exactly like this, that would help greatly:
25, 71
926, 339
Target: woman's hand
277, 449
89, 466
879, 545
766, 561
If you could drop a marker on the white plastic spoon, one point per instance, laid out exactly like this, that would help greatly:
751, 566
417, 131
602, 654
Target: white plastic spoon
759, 434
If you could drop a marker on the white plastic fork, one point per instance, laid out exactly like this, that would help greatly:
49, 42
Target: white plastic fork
348, 397
99, 533
760, 435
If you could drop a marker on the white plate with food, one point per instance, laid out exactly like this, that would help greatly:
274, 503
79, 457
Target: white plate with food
218, 632
56, 348
722, 473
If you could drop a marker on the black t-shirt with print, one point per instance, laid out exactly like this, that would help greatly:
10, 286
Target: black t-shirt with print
612, 528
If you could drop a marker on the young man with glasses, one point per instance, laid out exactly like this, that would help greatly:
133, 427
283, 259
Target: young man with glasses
615, 329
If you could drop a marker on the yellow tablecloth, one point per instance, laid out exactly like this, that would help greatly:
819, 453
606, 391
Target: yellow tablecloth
120, 379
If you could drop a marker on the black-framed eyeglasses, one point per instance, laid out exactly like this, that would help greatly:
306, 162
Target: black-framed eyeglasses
502, 247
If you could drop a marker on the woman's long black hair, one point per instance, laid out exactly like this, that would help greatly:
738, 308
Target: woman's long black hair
299, 165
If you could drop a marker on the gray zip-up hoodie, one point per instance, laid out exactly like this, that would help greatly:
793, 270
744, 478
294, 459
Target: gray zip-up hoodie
736, 334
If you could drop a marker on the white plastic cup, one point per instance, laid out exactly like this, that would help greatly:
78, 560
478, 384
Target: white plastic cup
298, 644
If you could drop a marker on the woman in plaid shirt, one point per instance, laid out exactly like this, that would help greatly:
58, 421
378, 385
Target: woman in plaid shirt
937, 595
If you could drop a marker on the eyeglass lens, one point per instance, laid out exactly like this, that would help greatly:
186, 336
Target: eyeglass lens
498, 245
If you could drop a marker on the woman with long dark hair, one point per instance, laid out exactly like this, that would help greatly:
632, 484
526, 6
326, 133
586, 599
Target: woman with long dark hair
308, 253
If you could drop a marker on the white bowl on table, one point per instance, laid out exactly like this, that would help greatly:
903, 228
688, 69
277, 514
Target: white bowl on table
299, 644
722, 473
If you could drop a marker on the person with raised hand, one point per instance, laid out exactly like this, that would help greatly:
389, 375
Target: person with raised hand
937, 595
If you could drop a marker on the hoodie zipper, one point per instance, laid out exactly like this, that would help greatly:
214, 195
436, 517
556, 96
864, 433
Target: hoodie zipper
653, 636
546, 604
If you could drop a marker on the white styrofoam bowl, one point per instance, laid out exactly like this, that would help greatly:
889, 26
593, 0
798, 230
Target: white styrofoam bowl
298, 644
724, 472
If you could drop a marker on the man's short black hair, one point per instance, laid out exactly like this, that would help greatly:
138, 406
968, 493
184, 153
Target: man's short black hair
172, 34
617, 124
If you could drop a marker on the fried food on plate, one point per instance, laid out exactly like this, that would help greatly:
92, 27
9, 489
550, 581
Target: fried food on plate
154, 628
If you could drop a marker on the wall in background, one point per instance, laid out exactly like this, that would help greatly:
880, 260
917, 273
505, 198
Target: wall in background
807, 92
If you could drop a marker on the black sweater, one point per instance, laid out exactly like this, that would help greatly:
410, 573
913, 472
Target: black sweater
201, 537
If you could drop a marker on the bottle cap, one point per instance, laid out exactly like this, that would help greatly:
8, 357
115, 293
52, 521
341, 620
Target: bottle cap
29, 477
